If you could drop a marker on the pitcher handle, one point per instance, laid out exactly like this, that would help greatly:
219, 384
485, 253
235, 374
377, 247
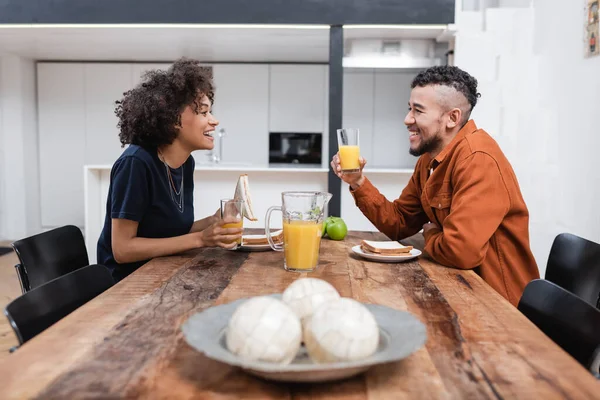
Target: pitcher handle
268, 228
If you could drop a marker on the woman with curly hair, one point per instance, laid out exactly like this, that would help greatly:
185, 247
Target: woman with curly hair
150, 209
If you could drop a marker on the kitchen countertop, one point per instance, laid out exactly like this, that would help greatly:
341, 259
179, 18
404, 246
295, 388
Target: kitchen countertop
382, 170
240, 167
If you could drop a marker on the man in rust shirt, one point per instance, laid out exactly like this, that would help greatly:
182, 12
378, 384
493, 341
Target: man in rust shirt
464, 193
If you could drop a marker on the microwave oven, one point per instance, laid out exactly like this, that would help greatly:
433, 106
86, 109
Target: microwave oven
295, 148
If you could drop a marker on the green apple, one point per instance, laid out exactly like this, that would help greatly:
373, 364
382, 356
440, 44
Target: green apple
336, 228
327, 221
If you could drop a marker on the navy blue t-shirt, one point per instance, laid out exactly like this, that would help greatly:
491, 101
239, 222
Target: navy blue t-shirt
140, 191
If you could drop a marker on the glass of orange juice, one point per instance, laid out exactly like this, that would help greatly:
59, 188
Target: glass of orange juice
348, 148
231, 208
303, 214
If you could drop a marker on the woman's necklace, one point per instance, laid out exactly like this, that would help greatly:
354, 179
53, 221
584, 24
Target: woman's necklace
172, 188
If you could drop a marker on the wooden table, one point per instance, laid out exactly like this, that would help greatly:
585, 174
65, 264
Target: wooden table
127, 342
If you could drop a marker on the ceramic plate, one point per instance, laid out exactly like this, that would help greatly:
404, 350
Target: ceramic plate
414, 253
401, 334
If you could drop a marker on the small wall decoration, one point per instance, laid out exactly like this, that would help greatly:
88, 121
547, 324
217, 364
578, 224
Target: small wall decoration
592, 36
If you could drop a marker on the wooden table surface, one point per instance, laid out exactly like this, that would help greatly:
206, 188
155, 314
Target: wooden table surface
127, 342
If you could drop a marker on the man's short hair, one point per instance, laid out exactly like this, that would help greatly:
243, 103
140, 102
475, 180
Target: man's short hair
452, 77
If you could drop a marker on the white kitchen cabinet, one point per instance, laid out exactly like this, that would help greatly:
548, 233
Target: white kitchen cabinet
390, 136
61, 119
242, 108
297, 98
138, 69
358, 108
104, 85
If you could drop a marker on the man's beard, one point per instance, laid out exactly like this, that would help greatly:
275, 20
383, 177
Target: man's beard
427, 145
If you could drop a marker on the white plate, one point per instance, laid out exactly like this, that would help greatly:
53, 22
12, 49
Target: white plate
414, 253
401, 334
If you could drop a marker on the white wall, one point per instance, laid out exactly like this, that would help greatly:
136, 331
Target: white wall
19, 171
541, 101
2, 163
2, 168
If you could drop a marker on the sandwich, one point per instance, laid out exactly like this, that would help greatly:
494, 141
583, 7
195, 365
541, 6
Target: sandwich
387, 248
254, 240
242, 192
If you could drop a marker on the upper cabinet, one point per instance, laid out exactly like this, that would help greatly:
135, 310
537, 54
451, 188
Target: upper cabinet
242, 109
104, 85
139, 69
358, 108
375, 102
61, 129
77, 126
297, 98
390, 136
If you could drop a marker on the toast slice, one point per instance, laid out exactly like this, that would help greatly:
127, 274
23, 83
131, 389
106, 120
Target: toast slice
242, 192
262, 239
389, 248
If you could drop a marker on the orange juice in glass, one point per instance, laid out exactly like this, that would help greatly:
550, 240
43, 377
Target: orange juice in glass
233, 209
303, 214
348, 149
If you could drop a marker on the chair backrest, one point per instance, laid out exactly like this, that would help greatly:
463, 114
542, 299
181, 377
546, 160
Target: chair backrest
22, 276
565, 318
574, 264
36, 310
51, 254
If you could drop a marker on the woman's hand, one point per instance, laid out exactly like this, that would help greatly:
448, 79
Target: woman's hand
218, 236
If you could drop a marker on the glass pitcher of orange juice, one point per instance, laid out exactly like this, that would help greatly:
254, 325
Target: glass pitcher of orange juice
303, 214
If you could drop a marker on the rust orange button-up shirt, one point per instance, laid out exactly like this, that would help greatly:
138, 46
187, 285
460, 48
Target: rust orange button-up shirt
471, 192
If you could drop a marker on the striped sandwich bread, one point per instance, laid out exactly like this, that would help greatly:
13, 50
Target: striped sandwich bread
242, 192
387, 247
254, 240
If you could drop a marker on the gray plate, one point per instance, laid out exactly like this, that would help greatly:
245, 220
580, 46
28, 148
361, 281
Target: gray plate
401, 334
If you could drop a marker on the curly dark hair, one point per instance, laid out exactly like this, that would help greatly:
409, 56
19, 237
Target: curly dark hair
449, 76
149, 113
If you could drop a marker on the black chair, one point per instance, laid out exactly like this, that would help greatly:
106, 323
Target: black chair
36, 310
574, 264
565, 318
48, 255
